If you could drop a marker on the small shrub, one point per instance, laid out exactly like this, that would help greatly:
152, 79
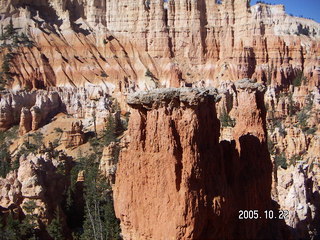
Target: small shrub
149, 74
38, 138
58, 130
296, 158
297, 81
104, 74
281, 161
226, 120
311, 131
55, 143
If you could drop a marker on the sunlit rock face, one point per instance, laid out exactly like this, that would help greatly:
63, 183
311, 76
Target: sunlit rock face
115, 44
36, 180
176, 180
298, 193
34, 109
192, 174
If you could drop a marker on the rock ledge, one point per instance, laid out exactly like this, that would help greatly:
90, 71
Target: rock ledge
249, 84
190, 96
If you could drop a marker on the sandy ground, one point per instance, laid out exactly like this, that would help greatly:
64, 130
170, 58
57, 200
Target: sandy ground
63, 122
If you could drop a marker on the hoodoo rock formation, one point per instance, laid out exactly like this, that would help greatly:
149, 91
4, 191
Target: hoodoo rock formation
15, 105
176, 181
224, 100
298, 191
75, 137
43, 105
108, 164
25, 121
37, 180
114, 44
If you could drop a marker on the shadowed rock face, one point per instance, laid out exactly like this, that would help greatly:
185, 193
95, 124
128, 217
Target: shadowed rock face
176, 181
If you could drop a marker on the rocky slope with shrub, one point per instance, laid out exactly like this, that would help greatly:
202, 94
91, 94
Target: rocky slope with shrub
252, 76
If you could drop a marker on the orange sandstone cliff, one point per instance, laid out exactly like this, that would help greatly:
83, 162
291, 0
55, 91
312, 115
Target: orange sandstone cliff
116, 44
177, 181
188, 162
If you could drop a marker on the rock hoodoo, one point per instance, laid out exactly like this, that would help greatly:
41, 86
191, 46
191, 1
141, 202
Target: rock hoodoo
75, 137
176, 181
182, 173
298, 192
25, 121
116, 43
108, 163
36, 179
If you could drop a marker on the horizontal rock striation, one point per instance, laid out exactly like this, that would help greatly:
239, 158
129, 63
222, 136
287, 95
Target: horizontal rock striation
115, 44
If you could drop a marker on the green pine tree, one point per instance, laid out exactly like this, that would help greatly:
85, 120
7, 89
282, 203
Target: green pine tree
5, 157
111, 223
100, 222
12, 229
110, 131
226, 120
55, 228
10, 31
30, 223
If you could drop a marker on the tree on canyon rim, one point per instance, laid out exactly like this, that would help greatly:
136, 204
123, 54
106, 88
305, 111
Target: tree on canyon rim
10, 42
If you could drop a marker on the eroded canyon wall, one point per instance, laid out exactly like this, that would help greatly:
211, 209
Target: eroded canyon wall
115, 43
34, 109
86, 50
